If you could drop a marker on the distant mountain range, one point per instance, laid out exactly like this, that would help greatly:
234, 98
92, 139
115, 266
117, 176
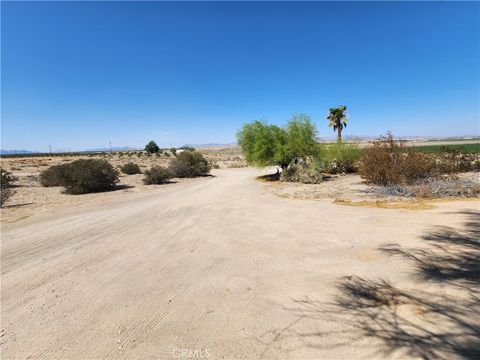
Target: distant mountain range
116, 148
209, 145
10, 152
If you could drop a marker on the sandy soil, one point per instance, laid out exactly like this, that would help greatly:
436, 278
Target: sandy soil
223, 267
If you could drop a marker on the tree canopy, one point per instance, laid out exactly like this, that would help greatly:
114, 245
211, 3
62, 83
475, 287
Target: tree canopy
263, 144
152, 147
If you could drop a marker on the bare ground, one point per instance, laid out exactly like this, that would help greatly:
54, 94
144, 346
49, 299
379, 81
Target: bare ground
223, 267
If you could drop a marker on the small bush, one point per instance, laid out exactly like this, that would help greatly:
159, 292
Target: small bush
6, 186
131, 168
303, 173
157, 175
388, 162
189, 164
81, 176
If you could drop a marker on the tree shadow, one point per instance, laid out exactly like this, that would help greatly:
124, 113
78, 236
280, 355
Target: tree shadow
269, 177
13, 206
453, 256
438, 319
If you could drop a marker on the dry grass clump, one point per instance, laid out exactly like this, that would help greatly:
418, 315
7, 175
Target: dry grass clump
450, 186
157, 175
130, 168
439, 187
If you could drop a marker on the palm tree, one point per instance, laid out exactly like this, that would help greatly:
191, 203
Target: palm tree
338, 120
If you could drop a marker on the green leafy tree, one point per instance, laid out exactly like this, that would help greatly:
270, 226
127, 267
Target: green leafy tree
264, 144
301, 137
337, 118
152, 147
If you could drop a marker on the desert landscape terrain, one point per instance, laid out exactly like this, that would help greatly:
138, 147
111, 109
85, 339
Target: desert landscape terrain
230, 266
266, 180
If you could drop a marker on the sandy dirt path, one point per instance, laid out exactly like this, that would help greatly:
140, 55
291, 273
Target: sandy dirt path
218, 268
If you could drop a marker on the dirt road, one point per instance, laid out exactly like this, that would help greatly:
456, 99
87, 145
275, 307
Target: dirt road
221, 268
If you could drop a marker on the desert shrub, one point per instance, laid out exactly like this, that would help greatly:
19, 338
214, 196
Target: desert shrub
6, 186
303, 173
157, 175
339, 158
388, 162
189, 164
188, 148
131, 168
88, 175
81, 176
54, 176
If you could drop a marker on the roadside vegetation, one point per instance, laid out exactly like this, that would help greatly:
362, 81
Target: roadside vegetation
81, 176
386, 163
6, 186
131, 168
295, 150
390, 166
188, 164
403, 171
157, 175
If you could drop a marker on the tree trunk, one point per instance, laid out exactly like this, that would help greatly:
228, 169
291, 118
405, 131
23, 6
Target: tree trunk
339, 137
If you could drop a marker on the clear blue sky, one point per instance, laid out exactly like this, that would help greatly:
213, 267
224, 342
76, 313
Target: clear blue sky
76, 75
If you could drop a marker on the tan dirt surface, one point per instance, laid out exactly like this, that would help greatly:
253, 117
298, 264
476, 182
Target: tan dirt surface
221, 267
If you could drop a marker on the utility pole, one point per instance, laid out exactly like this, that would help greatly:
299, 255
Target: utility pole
50, 146
110, 146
